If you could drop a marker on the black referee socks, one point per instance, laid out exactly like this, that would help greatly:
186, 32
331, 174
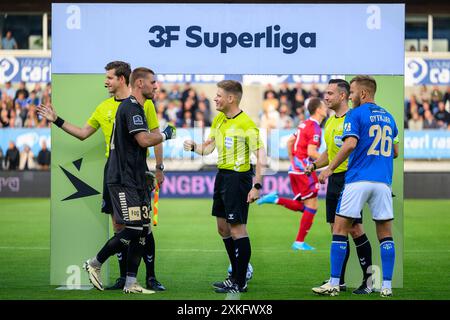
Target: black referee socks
229, 245
243, 253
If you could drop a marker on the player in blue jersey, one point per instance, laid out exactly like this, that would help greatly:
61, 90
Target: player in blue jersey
369, 133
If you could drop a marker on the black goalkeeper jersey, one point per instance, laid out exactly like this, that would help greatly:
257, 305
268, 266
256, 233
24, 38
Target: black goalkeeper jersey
127, 161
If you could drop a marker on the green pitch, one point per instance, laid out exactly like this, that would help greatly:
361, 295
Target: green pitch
190, 254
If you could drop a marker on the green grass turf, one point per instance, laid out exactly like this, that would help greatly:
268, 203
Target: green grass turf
190, 254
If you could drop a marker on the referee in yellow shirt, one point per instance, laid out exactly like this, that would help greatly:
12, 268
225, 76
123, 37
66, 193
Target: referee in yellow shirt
116, 81
235, 136
336, 97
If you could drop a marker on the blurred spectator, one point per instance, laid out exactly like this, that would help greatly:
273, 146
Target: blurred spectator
271, 103
286, 94
202, 98
206, 113
411, 106
162, 98
192, 95
46, 98
8, 41
15, 121
48, 88
270, 90
299, 100
446, 98
10, 91
4, 118
38, 90
436, 94
429, 122
412, 48
425, 48
185, 94
287, 102
173, 108
416, 122
12, 157
442, 116
26, 161
269, 119
199, 120
174, 93
31, 120
315, 92
21, 100
22, 89
33, 99
425, 107
1, 159
161, 120
188, 121
189, 105
299, 116
44, 157
286, 121
298, 89
424, 94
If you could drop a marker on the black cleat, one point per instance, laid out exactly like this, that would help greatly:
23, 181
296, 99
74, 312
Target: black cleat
232, 289
228, 282
363, 289
154, 284
120, 283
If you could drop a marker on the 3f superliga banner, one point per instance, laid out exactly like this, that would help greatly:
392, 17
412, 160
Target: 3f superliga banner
341, 39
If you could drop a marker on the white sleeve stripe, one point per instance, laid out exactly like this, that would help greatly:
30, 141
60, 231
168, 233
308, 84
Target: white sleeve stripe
140, 129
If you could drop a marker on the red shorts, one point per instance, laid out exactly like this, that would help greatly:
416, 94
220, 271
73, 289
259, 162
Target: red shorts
304, 186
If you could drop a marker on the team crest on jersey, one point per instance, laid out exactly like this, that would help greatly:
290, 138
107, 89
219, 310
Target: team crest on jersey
316, 138
348, 126
137, 120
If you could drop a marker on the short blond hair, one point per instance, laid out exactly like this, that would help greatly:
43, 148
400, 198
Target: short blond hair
366, 81
233, 87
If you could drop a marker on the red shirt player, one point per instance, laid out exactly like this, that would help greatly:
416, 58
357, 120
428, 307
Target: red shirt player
303, 149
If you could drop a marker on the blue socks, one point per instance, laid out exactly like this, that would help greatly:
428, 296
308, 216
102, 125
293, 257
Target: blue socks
337, 256
387, 251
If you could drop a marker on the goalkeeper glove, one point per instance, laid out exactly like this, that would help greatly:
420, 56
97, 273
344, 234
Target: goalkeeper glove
170, 132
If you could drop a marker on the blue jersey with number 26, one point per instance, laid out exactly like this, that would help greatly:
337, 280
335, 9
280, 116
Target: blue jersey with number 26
375, 129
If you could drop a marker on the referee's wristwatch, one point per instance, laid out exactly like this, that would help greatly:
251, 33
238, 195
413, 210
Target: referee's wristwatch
257, 186
160, 167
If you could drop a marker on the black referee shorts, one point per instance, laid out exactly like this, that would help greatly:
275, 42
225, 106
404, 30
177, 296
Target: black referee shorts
106, 199
335, 187
231, 189
131, 206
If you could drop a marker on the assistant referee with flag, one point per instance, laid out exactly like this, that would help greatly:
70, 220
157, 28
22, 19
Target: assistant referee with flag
236, 136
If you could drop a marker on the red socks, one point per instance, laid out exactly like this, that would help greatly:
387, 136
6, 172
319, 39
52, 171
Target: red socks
305, 223
291, 204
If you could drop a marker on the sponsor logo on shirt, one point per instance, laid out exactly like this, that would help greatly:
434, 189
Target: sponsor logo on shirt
338, 141
348, 127
228, 142
137, 120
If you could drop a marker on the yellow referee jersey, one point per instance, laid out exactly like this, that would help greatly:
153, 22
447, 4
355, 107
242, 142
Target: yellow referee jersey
334, 128
235, 139
105, 113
